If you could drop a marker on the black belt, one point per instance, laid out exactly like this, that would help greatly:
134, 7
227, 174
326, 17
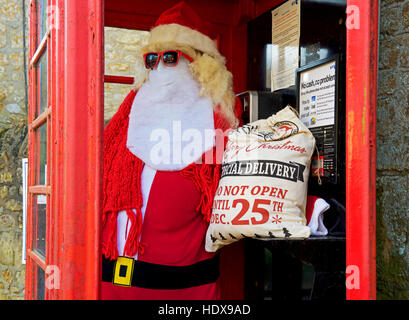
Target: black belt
156, 276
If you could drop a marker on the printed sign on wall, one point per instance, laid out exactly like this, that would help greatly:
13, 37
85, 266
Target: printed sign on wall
317, 96
317, 103
285, 44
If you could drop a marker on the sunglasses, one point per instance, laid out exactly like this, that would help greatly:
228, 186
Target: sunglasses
170, 58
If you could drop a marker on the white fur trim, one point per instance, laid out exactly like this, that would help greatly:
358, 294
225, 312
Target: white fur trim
183, 35
317, 218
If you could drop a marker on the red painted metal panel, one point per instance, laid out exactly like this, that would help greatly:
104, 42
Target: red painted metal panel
215, 11
119, 79
80, 161
361, 96
264, 5
30, 275
129, 20
37, 50
57, 118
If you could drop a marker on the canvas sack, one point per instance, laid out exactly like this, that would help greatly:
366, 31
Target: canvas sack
262, 192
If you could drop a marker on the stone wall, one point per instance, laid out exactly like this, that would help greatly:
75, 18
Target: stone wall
13, 146
122, 58
392, 152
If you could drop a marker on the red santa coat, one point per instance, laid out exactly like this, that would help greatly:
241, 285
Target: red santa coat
172, 262
174, 234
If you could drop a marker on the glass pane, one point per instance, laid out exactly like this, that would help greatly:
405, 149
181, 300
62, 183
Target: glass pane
33, 283
307, 283
123, 57
41, 155
39, 223
42, 82
41, 6
268, 279
40, 284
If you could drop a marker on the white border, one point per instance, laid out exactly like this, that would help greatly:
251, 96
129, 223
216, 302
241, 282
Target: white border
25, 176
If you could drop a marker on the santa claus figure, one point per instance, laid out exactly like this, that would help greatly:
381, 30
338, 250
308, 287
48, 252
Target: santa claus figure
162, 166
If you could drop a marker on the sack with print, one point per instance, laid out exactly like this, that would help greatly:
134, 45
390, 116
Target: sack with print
262, 192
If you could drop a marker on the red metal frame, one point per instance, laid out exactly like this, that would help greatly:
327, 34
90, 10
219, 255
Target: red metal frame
75, 134
79, 157
361, 97
36, 51
118, 79
57, 116
74, 148
29, 275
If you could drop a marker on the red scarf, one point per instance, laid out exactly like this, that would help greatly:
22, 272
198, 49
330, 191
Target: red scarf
122, 180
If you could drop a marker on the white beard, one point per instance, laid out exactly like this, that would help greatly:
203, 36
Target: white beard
170, 126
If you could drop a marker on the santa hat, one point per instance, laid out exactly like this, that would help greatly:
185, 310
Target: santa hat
183, 26
315, 215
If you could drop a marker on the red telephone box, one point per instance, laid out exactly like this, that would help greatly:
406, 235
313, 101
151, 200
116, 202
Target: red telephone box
66, 125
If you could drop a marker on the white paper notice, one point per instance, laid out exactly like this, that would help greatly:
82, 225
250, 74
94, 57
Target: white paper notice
317, 96
285, 44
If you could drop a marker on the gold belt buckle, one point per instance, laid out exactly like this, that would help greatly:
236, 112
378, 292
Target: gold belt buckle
123, 271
